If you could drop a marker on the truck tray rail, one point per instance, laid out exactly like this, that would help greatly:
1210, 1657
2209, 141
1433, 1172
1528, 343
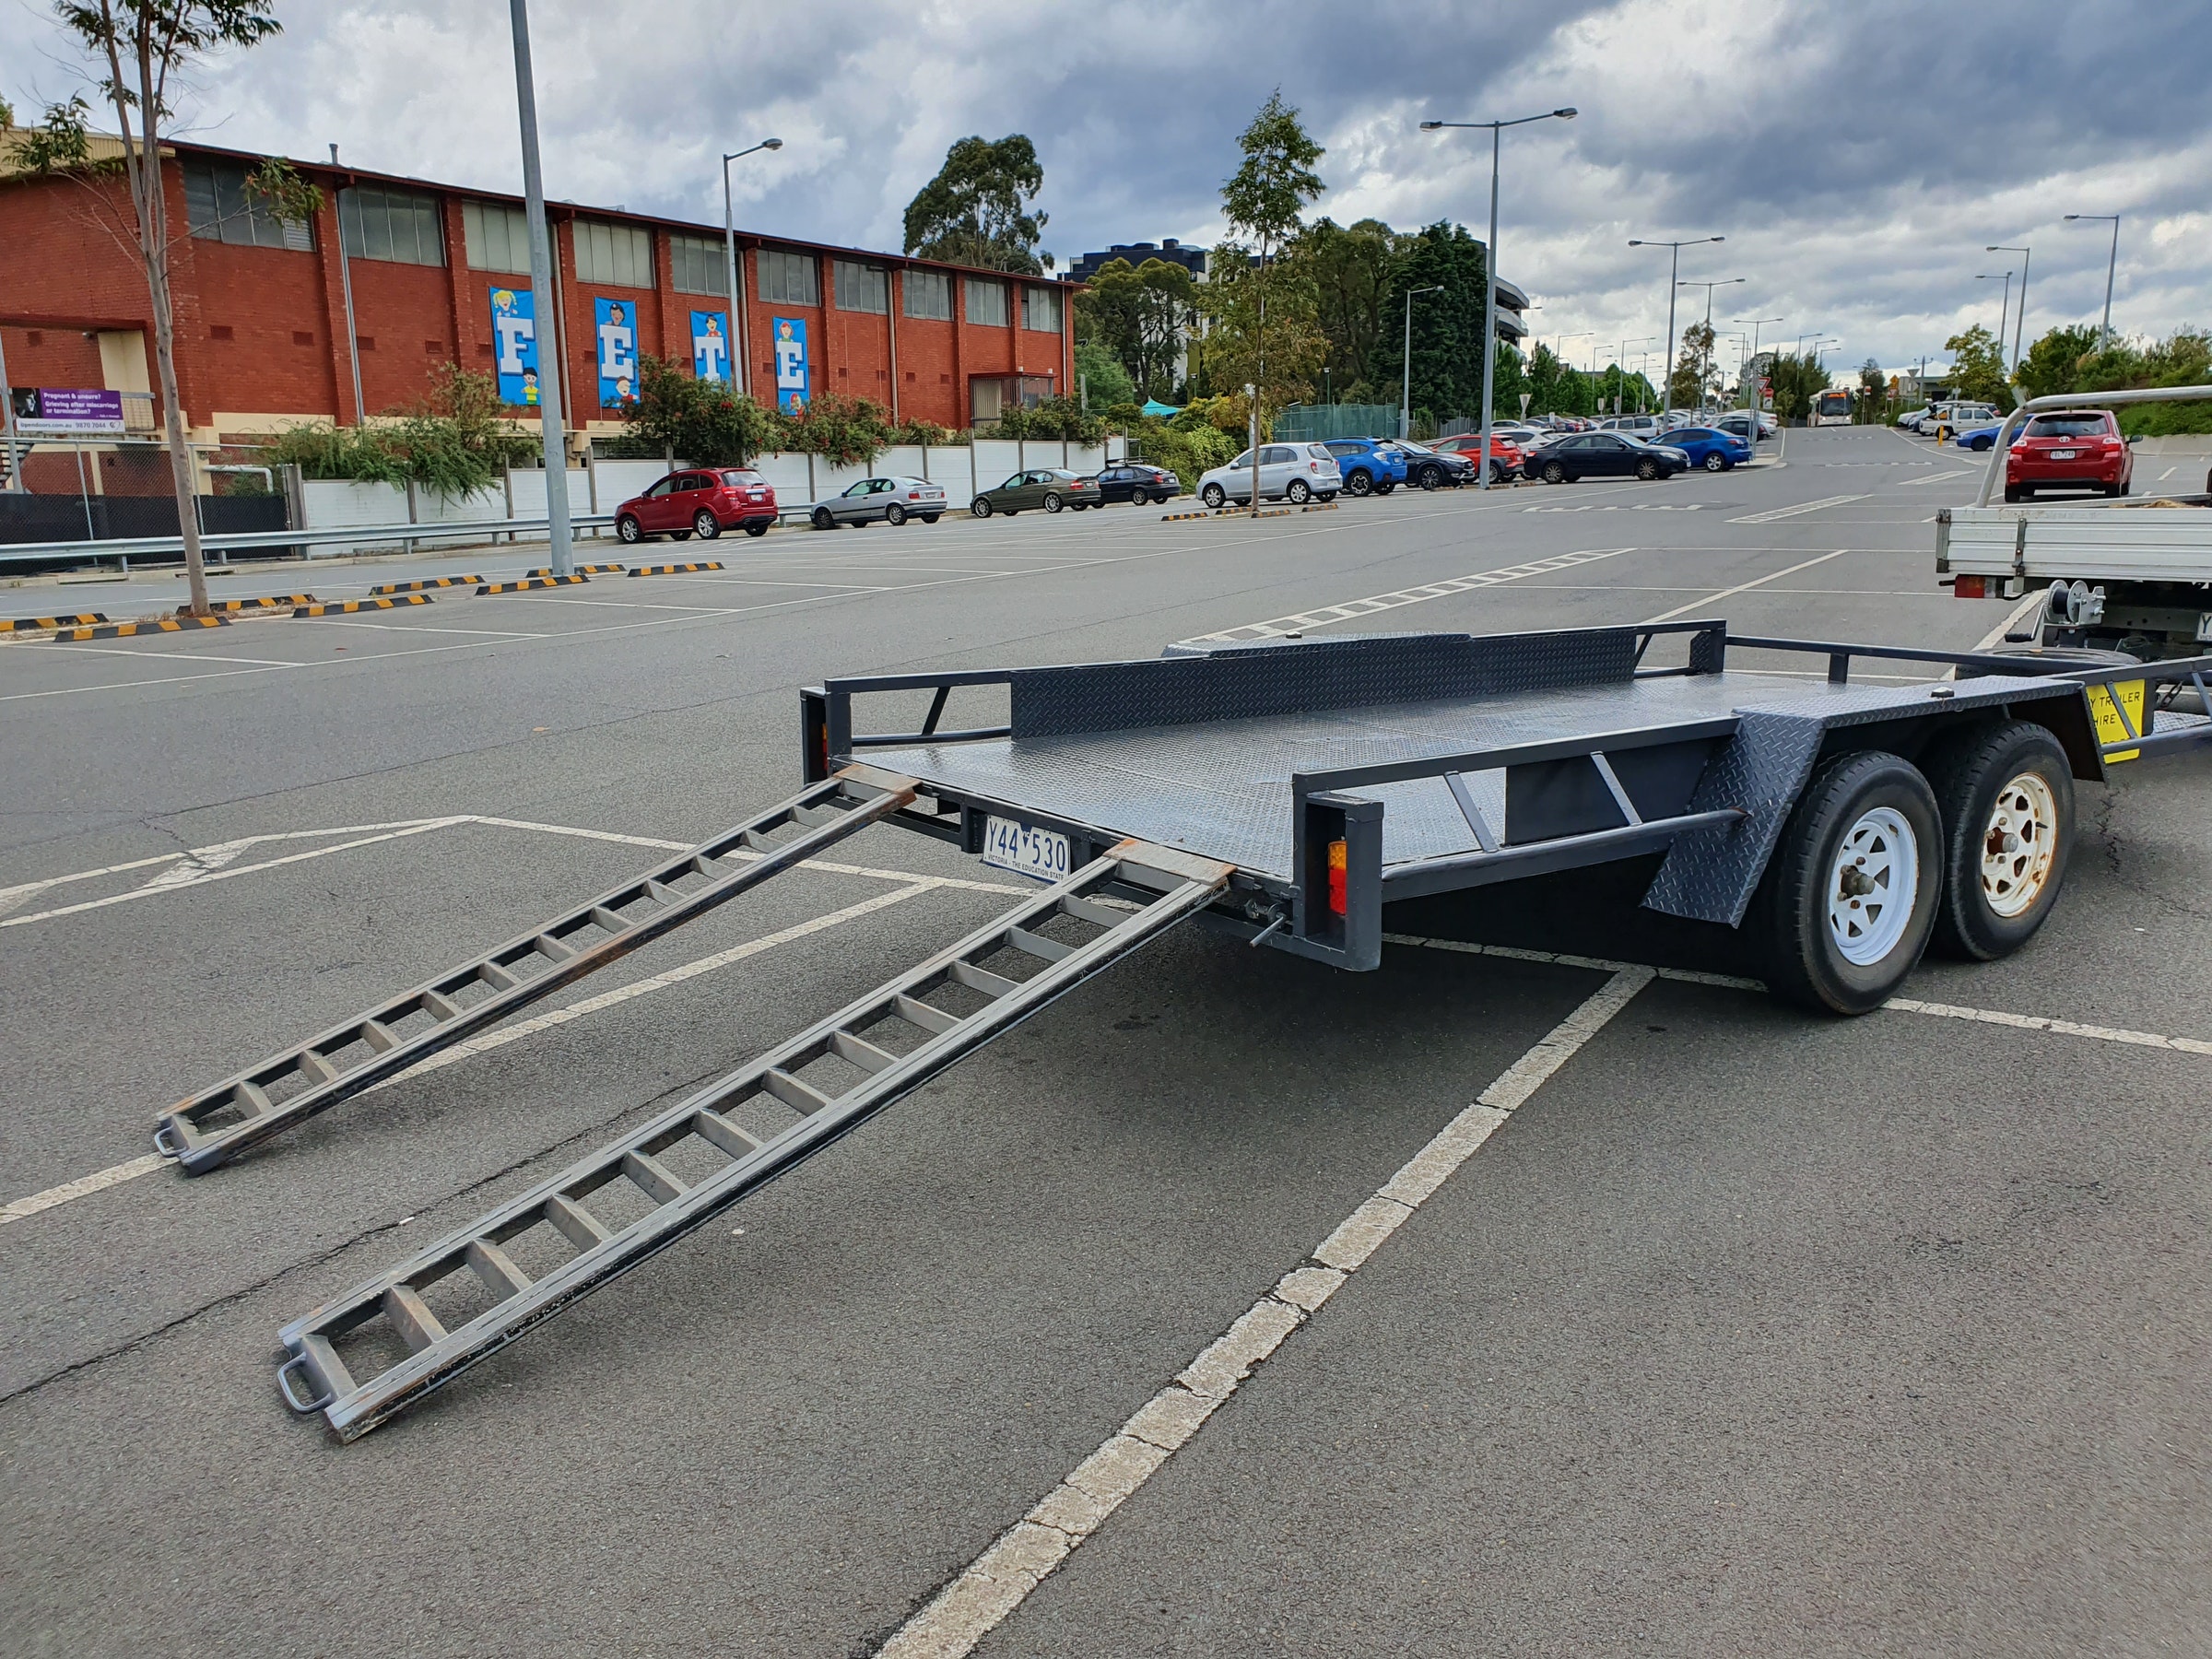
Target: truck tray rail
566, 1237
217, 1124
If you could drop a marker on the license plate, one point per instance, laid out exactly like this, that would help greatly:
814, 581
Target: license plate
2063, 455
1043, 853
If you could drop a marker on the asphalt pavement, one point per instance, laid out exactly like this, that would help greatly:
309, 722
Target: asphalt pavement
1733, 1331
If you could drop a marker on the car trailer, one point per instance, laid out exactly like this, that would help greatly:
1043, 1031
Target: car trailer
1283, 791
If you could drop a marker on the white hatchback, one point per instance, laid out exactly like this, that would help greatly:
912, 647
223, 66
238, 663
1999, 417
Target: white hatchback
1296, 473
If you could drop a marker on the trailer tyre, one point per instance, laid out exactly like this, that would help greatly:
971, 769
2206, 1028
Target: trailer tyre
2007, 797
1853, 884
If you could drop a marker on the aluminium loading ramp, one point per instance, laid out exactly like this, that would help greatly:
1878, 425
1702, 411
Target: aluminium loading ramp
218, 1124
729, 1139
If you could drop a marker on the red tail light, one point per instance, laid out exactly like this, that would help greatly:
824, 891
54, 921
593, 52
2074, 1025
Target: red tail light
1970, 587
1339, 904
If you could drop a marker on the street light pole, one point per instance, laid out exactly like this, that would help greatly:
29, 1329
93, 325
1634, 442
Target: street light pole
740, 335
1489, 268
1751, 397
562, 552
2019, 316
1674, 282
2111, 266
1405, 395
1709, 287
2004, 312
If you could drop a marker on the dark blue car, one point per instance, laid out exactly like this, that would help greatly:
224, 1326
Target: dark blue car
1707, 447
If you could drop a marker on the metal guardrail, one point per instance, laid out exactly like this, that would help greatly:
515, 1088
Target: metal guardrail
127, 547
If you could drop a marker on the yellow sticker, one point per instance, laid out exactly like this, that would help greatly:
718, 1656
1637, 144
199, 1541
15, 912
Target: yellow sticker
2110, 729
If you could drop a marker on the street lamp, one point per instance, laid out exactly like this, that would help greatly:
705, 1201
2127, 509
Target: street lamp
1490, 263
2112, 264
1674, 276
2004, 309
1406, 397
2019, 316
1709, 287
1751, 397
1620, 381
561, 548
740, 336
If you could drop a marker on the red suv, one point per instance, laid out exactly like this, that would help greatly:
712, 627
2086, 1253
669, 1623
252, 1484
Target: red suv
1510, 460
2072, 449
704, 504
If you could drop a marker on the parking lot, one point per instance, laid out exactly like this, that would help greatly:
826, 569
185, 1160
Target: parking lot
1625, 1310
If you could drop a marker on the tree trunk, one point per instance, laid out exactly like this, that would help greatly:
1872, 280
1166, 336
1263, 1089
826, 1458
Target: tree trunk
143, 169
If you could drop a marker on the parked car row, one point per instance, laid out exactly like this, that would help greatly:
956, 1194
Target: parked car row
705, 502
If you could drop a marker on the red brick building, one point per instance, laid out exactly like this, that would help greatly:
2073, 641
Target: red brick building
261, 306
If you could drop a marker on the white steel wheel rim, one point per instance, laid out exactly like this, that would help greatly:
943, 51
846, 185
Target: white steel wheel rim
2018, 845
1871, 885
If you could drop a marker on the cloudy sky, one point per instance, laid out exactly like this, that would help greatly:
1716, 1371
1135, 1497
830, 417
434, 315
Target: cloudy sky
1858, 155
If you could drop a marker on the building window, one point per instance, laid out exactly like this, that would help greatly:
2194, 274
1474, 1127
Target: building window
701, 266
789, 279
218, 207
1041, 309
986, 302
391, 223
621, 255
498, 236
863, 287
928, 294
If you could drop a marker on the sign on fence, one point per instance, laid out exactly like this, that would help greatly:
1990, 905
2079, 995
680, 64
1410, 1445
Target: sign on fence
67, 411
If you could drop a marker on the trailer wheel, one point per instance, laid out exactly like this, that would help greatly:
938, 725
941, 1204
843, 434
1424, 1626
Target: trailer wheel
2007, 797
1854, 885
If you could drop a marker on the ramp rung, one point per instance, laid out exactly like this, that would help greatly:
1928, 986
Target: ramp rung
981, 978
194, 1134
411, 1316
921, 1013
641, 1167
577, 1224
1037, 945
255, 1097
497, 1269
354, 1409
794, 1092
723, 1135
860, 1052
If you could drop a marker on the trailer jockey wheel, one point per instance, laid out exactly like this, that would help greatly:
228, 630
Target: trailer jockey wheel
1853, 887
2007, 796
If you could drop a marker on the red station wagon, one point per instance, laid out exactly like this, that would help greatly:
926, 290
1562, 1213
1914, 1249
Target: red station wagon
700, 504
2069, 449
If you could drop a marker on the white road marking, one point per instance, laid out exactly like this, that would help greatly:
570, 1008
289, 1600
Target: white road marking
1275, 627
2013, 617
131, 1168
2168, 474
1896, 1005
2063, 1028
202, 877
1741, 587
1783, 513
186, 656
1964, 472
1023, 1556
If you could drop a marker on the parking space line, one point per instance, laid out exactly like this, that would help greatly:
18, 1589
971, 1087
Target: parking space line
1783, 513
1896, 1005
1741, 587
183, 656
131, 1168
1277, 626
208, 875
1023, 1556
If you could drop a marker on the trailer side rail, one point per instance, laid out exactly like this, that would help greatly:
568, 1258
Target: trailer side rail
729, 1139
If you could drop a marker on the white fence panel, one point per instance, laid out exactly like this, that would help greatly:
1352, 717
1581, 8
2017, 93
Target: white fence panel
619, 481
332, 503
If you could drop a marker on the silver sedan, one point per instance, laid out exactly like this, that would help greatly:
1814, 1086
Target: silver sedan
893, 500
